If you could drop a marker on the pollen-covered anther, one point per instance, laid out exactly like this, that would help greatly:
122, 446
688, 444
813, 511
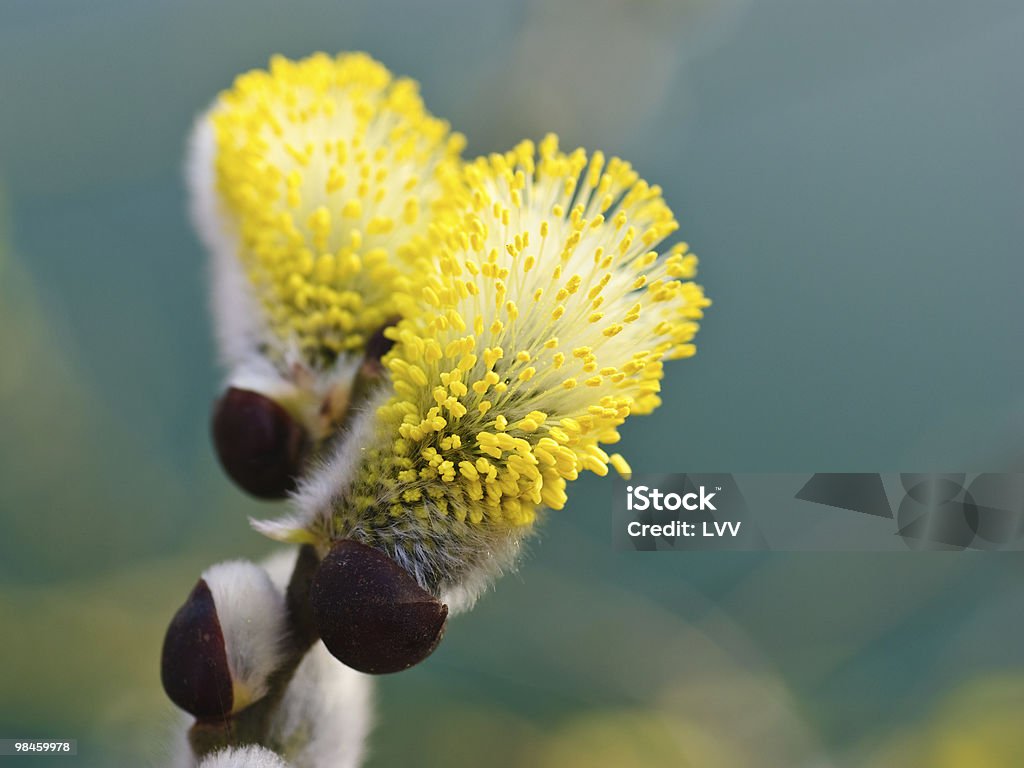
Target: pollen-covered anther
326, 167
532, 394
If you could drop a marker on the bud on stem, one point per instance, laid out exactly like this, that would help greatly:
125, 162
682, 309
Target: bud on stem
371, 613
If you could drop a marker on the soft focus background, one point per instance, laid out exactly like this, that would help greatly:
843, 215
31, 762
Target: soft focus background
851, 174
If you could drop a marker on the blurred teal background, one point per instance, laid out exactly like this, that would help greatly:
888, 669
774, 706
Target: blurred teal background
851, 175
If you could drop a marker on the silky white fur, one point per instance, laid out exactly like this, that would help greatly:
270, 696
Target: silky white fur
253, 619
252, 357
312, 502
327, 710
457, 567
238, 321
325, 716
245, 757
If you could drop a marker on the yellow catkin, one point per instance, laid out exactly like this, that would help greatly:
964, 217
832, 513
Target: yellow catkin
529, 380
329, 168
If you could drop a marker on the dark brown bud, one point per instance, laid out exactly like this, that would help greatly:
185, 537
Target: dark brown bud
378, 345
371, 613
371, 370
194, 663
259, 444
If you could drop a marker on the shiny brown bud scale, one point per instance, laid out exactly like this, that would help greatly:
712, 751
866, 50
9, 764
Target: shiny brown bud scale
259, 444
378, 344
371, 613
194, 664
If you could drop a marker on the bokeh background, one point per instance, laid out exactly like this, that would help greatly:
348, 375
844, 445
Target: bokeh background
851, 174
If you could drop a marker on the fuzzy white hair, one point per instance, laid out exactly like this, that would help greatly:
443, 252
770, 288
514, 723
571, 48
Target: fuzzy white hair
323, 479
242, 336
244, 757
253, 620
238, 322
327, 710
457, 569
325, 715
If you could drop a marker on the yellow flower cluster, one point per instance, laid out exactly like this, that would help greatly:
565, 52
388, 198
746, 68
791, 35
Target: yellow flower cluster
535, 308
328, 168
539, 321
